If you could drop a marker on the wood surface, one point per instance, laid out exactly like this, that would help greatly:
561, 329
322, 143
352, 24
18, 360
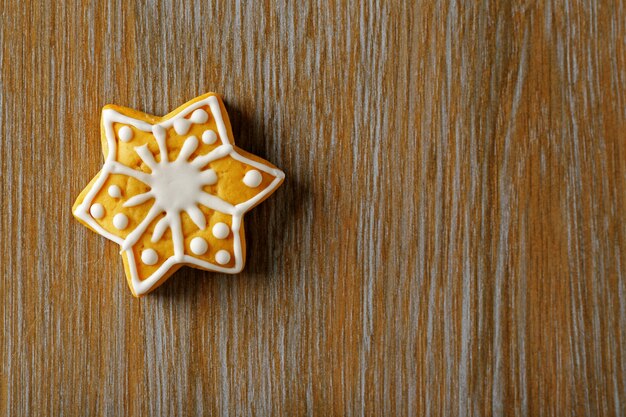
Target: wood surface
450, 238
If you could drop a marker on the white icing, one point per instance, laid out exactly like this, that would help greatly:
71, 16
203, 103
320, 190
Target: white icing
160, 136
118, 168
160, 228
222, 257
181, 126
120, 221
171, 219
217, 153
189, 147
209, 176
220, 230
138, 199
197, 216
199, 116
149, 256
97, 211
176, 186
209, 137
252, 178
157, 130
146, 156
125, 133
199, 246
115, 191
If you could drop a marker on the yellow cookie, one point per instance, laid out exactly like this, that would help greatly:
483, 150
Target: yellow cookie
173, 191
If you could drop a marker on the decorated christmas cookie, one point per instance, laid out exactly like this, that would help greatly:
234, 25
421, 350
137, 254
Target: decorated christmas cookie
173, 191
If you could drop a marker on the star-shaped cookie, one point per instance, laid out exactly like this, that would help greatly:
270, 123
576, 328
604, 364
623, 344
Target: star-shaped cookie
173, 191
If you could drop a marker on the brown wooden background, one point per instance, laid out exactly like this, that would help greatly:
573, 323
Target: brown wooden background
450, 239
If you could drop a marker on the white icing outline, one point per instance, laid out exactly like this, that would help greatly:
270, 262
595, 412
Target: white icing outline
111, 166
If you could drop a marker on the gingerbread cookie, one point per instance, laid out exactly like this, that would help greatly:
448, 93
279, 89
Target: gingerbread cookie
173, 191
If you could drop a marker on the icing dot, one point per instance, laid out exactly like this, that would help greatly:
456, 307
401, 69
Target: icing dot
198, 246
115, 191
97, 211
209, 137
149, 257
182, 125
222, 257
221, 230
252, 178
125, 134
199, 116
120, 221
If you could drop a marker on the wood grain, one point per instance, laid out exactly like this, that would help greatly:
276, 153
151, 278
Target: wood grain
450, 239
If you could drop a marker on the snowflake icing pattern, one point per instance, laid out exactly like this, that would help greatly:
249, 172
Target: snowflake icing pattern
160, 171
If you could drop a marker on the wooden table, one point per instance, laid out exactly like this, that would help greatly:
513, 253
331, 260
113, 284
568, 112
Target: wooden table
450, 239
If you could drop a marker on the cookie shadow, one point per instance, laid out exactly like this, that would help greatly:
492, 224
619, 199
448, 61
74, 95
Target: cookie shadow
270, 228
